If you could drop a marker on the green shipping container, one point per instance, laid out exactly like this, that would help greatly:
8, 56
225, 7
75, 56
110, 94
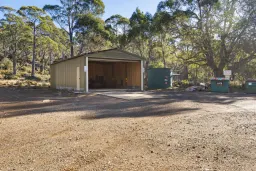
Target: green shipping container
250, 86
220, 85
159, 78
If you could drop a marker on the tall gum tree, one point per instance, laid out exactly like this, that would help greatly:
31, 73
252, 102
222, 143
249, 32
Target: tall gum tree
66, 14
16, 31
218, 28
119, 26
91, 31
141, 34
33, 16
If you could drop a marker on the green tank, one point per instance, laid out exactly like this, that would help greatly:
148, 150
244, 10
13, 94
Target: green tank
250, 86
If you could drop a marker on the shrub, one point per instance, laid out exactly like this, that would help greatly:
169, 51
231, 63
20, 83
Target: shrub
6, 64
43, 77
185, 83
181, 84
237, 86
26, 69
23, 74
33, 78
10, 77
5, 72
175, 84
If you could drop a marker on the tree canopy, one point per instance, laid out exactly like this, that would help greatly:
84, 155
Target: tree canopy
197, 38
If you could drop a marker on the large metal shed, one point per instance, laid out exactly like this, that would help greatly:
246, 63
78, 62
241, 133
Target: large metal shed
108, 69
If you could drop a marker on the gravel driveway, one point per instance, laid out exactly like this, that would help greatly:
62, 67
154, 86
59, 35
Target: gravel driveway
45, 130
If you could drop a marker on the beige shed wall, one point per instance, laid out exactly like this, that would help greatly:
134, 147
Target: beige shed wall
64, 74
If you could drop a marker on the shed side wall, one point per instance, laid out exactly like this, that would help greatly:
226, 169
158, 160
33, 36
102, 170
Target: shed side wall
64, 74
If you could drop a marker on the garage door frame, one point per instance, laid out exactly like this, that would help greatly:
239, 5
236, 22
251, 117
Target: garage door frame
87, 59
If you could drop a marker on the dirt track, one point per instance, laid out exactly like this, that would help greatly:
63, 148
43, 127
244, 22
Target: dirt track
184, 131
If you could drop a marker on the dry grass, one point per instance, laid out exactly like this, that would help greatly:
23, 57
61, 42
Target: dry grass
24, 83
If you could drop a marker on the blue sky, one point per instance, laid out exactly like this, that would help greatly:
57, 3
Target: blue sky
123, 7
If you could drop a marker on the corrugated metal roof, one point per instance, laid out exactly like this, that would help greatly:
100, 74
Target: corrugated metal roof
108, 54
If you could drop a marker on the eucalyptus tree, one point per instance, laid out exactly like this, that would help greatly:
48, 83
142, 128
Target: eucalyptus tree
91, 33
66, 14
165, 37
48, 47
119, 26
16, 33
33, 16
141, 34
223, 30
7, 12
50, 42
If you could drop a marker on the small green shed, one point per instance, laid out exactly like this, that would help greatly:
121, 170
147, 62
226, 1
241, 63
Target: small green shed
220, 85
250, 86
159, 78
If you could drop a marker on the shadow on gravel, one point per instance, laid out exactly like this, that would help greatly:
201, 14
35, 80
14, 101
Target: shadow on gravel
15, 103
209, 97
139, 113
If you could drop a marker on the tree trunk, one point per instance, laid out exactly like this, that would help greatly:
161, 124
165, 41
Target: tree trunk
51, 58
34, 51
218, 72
185, 73
42, 64
71, 45
196, 75
163, 54
150, 53
164, 61
81, 49
46, 62
14, 60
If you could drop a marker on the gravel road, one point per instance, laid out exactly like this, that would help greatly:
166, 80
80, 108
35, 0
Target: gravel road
43, 130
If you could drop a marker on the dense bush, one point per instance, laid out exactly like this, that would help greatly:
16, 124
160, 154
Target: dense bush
236, 86
182, 84
185, 83
33, 78
26, 69
22, 74
5, 72
10, 77
175, 84
6, 64
156, 64
43, 77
